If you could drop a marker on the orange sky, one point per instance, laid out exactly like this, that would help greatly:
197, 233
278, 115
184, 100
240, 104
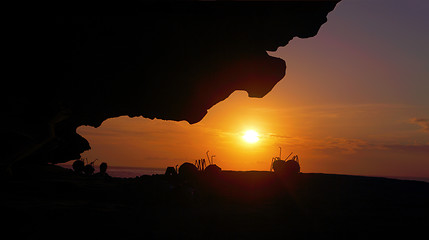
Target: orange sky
354, 101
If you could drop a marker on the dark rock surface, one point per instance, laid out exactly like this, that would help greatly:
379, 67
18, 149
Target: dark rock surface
233, 205
173, 61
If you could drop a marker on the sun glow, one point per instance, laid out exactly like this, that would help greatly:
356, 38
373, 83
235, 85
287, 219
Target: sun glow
251, 136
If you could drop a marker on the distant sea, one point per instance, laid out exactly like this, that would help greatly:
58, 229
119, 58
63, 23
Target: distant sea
132, 172
126, 172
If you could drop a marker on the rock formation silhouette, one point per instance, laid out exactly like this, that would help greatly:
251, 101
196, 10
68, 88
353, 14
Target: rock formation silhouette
173, 61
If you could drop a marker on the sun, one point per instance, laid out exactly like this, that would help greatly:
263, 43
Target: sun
251, 136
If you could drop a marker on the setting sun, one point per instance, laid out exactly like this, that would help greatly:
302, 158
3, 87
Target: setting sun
251, 136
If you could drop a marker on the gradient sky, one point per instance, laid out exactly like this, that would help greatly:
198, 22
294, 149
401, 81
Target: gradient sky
355, 100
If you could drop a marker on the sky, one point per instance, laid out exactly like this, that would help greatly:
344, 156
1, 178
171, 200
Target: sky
354, 100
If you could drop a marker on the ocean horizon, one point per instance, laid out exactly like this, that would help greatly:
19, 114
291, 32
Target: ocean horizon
125, 172
132, 172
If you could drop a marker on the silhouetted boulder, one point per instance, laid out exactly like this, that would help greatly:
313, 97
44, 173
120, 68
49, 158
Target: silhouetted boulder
188, 171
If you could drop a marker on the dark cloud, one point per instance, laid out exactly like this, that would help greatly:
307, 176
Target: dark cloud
422, 122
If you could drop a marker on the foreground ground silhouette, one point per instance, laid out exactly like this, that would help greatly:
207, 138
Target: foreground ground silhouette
232, 205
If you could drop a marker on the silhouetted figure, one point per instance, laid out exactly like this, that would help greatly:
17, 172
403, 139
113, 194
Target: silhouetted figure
103, 171
78, 166
292, 167
103, 168
171, 171
88, 170
188, 171
286, 168
212, 170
